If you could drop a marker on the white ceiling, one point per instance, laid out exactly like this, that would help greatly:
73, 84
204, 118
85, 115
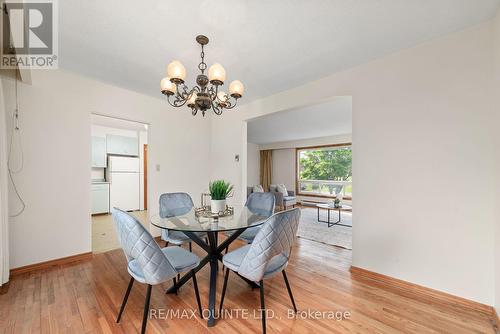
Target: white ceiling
326, 119
269, 45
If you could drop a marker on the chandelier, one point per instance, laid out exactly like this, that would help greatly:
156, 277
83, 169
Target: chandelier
206, 94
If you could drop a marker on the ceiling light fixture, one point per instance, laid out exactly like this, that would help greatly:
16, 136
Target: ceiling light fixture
206, 93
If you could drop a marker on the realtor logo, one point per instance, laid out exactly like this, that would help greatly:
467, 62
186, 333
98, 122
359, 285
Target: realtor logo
29, 34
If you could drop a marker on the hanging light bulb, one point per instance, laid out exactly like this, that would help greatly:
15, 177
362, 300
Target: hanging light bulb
176, 71
217, 74
167, 86
236, 89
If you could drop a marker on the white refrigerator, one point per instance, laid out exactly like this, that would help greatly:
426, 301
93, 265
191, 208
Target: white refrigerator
124, 188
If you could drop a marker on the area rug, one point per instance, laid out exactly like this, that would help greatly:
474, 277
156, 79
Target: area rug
311, 229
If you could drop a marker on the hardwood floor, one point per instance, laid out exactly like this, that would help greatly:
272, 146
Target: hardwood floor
85, 298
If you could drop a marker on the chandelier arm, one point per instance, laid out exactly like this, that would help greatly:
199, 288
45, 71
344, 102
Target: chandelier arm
178, 102
216, 97
185, 93
217, 110
230, 104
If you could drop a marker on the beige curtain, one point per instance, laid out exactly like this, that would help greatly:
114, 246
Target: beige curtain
266, 167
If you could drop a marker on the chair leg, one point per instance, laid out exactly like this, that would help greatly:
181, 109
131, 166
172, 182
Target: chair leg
262, 307
190, 247
289, 291
125, 298
175, 282
224, 287
146, 309
197, 293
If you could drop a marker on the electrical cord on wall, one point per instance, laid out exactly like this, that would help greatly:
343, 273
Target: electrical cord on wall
16, 134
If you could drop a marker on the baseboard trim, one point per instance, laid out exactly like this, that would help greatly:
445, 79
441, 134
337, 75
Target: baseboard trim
422, 290
51, 263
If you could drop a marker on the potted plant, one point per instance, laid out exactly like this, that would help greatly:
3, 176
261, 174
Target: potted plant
219, 191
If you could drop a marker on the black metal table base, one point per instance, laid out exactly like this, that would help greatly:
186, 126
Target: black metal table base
214, 255
329, 222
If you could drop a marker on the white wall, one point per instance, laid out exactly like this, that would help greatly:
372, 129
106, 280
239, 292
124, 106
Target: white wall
422, 131
4, 225
55, 121
253, 164
496, 32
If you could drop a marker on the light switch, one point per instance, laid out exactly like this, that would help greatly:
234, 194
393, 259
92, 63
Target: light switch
157, 167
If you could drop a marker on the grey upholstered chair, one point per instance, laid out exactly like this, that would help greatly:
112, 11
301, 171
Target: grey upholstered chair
175, 204
147, 263
283, 201
266, 256
258, 203
261, 204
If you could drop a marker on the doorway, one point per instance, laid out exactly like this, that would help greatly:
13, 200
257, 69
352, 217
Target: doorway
118, 175
309, 157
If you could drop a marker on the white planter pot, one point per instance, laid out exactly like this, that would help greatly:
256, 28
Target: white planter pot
217, 206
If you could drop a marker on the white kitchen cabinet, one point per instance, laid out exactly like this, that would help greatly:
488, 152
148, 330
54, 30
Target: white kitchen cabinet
99, 152
100, 198
121, 145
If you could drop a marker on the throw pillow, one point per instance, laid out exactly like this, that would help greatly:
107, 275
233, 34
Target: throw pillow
282, 189
272, 188
258, 189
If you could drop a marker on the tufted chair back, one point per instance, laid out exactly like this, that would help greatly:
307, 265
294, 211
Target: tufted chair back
275, 237
261, 204
139, 245
175, 204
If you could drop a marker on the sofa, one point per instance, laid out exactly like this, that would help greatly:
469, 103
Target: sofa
281, 201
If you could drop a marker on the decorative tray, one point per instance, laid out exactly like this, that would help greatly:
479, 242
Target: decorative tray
205, 212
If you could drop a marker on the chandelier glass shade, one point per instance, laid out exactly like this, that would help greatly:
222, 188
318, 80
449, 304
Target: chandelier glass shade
206, 94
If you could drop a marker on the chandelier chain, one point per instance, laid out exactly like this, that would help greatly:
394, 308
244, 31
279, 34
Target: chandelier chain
202, 66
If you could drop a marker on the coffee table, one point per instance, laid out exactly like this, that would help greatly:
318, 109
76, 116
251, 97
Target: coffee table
329, 208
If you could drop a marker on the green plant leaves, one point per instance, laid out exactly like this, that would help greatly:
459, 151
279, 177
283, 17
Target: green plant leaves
220, 189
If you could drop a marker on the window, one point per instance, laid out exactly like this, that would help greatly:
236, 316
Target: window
324, 171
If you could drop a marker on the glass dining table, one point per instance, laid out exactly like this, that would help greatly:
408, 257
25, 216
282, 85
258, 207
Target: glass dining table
191, 224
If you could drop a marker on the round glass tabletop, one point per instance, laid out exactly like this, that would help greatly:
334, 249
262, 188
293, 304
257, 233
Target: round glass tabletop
189, 222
